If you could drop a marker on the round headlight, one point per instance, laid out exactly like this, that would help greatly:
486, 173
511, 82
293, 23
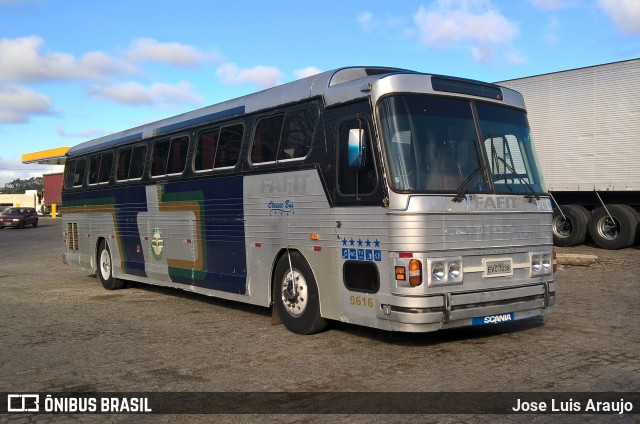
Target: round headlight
454, 270
536, 263
437, 271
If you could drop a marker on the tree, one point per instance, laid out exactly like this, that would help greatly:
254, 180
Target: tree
18, 186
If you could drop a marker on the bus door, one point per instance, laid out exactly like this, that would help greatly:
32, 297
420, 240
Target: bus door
358, 208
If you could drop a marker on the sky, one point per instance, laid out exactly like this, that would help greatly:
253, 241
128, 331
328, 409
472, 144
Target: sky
75, 70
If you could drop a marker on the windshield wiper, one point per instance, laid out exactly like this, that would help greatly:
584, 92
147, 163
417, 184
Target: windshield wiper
522, 181
462, 189
495, 156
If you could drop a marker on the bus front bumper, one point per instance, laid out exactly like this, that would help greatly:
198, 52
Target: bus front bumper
458, 309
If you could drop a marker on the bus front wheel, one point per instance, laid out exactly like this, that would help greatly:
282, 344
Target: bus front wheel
295, 295
105, 269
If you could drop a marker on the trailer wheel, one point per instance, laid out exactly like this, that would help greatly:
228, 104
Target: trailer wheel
570, 229
295, 295
635, 235
616, 231
105, 269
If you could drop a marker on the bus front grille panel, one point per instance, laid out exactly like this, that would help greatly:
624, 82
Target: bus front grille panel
433, 232
469, 305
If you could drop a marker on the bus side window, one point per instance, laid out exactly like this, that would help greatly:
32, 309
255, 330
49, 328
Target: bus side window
138, 158
228, 150
100, 168
105, 167
124, 159
159, 161
78, 176
94, 168
206, 149
178, 155
266, 139
297, 133
70, 171
360, 180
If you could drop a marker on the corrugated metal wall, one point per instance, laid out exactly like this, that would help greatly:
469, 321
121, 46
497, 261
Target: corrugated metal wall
586, 125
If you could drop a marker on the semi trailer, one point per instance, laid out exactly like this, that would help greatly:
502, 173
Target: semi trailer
585, 124
52, 198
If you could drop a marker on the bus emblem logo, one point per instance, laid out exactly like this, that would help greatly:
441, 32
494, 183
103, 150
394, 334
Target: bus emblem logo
157, 243
281, 208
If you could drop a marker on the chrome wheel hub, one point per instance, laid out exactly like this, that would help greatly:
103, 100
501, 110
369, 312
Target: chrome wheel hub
294, 293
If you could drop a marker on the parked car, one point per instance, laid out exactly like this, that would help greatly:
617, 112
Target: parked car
19, 217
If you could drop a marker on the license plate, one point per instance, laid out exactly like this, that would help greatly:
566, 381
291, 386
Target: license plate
498, 267
494, 319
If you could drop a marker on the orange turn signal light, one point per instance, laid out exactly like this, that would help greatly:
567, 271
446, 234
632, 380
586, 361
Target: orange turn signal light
401, 273
415, 272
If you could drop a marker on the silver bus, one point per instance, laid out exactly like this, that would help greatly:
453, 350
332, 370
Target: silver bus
376, 196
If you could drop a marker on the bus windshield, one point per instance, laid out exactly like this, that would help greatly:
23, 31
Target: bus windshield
432, 146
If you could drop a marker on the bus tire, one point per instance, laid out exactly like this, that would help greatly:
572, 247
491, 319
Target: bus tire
299, 312
105, 268
570, 229
616, 234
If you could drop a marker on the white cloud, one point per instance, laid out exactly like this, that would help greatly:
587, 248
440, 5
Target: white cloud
306, 72
483, 53
457, 20
14, 1
89, 133
99, 65
17, 104
476, 22
184, 55
13, 168
554, 4
260, 75
625, 14
550, 30
21, 61
26, 60
515, 58
369, 22
134, 93
365, 20
181, 92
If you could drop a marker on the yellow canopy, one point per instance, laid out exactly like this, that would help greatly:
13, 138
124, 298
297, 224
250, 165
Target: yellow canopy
46, 157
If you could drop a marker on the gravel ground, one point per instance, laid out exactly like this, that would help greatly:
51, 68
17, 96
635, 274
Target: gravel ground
61, 332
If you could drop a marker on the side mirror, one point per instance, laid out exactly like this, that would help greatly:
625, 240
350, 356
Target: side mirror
356, 147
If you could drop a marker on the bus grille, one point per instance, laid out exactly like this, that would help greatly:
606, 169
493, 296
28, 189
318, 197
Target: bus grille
72, 236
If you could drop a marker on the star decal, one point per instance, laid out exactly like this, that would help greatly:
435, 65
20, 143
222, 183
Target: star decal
368, 243
351, 242
344, 242
376, 243
359, 243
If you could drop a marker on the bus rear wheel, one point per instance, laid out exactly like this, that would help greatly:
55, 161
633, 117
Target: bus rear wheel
295, 295
105, 268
